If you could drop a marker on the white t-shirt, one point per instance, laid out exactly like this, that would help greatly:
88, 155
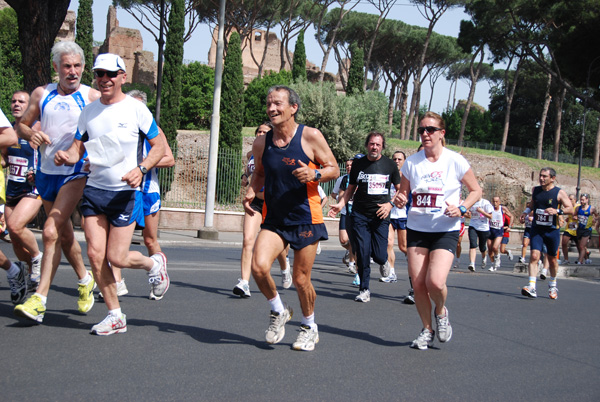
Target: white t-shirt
117, 133
432, 184
478, 221
4, 121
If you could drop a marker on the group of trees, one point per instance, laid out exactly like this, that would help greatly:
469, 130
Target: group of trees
549, 48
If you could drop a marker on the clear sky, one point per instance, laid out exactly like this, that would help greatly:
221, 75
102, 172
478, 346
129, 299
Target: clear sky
197, 47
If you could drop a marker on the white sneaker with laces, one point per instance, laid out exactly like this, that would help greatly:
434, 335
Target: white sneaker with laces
307, 338
112, 324
159, 280
424, 340
364, 296
276, 330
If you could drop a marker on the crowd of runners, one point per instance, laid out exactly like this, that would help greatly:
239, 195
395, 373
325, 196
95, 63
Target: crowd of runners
73, 146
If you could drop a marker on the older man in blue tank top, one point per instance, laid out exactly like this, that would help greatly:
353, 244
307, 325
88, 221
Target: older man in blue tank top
290, 161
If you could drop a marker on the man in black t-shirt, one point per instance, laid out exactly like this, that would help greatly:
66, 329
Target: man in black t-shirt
369, 183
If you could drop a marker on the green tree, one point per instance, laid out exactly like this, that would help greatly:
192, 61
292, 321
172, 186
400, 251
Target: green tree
256, 94
356, 73
232, 119
299, 66
85, 37
11, 78
343, 120
197, 88
171, 82
39, 22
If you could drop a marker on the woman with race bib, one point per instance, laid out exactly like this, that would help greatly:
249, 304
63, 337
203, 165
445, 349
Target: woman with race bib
434, 176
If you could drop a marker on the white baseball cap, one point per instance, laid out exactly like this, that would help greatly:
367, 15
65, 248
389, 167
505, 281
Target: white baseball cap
109, 62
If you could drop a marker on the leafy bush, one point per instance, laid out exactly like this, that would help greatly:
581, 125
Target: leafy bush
345, 121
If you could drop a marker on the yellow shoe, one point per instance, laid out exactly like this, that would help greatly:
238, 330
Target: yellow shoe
32, 309
86, 296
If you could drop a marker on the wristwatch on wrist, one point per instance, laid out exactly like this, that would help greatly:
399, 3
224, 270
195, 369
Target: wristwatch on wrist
317, 175
143, 169
462, 210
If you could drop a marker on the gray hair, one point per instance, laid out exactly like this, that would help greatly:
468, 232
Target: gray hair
293, 97
141, 95
551, 171
66, 47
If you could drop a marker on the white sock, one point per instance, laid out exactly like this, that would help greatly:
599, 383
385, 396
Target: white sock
42, 297
86, 279
155, 267
116, 312
276, 304
37, 257
309, 321
12, 271
392, 271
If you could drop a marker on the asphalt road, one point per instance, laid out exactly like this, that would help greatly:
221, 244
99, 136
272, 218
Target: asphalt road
203, 343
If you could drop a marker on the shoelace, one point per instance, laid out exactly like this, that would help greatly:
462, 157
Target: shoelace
304, 334
425, 336
275, 321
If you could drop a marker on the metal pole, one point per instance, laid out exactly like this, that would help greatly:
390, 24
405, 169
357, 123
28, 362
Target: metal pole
209, 231
159, 75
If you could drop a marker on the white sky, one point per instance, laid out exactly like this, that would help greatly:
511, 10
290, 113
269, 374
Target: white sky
197, 47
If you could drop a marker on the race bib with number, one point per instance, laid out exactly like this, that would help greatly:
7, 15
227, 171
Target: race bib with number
377, 184
18, 168
496, 224
427, 202
542, 218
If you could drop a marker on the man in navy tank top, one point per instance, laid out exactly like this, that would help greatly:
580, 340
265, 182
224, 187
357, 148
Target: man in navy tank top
290, 162
547, 202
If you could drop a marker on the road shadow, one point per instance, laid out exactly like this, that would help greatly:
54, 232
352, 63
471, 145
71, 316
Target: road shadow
203, 335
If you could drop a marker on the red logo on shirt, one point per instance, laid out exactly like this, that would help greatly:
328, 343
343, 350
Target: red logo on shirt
289, 161
436, 175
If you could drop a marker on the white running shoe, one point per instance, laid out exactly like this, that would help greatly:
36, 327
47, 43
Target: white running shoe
112, 324
510, 255
352, 267
346, 258
389, 279
444, 329
307, 338
483, 263
276, 331
424, 340
242, 289
364, 296
159, 280
286, 278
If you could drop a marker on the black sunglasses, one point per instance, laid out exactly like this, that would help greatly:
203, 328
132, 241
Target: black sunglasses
429, 129
110, 74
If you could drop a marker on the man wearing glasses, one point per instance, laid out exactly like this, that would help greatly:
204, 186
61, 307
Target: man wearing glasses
58, 107
112, 130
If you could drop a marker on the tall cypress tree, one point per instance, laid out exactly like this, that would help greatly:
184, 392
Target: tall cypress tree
299, 63
356, 71
232, 96
232, 119
171, 81
85, 37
